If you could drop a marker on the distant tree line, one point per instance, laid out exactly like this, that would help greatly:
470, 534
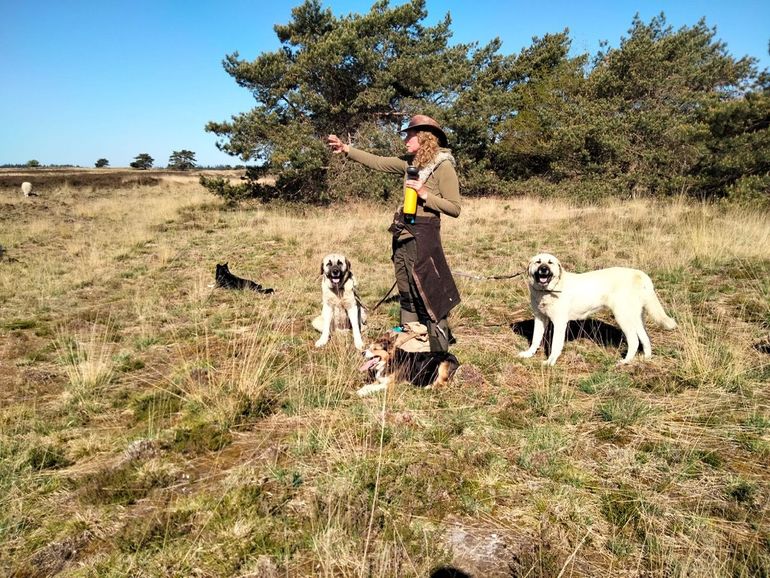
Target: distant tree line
140, 162
183, 160
667, 112
34, 164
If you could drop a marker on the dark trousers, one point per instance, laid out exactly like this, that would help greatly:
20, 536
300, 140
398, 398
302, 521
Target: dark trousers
412, 306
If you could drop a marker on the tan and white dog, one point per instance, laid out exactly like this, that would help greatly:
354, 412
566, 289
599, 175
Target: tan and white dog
341, 308
388, 364
560, 296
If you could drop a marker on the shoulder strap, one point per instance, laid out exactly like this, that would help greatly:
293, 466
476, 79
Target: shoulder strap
432, 170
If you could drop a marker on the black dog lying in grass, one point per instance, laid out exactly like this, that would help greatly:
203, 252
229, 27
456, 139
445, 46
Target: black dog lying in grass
227, 280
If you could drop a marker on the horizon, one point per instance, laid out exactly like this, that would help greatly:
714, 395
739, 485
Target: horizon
86, 81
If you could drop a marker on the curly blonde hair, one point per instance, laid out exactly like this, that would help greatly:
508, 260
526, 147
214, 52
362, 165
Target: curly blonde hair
429, 147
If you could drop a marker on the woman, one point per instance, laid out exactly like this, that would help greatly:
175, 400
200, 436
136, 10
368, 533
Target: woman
425, 285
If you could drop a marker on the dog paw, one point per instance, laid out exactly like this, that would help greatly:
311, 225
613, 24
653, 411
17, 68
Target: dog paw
321, 342
549, 362
370, 389
526, 354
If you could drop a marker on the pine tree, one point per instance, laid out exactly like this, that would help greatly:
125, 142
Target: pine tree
356, 74
142, 161
182, 160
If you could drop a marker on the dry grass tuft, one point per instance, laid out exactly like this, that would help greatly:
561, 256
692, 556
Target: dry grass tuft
87, 360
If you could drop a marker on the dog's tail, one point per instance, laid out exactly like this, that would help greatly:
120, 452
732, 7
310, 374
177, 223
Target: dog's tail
655, 311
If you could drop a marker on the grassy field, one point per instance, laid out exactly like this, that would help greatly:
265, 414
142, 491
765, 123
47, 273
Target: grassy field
151, 425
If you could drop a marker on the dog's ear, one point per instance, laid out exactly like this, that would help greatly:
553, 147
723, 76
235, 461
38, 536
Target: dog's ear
347, 264
322, 267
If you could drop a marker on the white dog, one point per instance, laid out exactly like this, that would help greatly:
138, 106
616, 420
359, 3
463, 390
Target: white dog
560, 296
342, 309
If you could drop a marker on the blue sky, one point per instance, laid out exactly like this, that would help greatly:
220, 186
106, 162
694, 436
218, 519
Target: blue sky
82, 80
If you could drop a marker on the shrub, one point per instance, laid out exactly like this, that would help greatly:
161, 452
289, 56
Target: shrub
751, 189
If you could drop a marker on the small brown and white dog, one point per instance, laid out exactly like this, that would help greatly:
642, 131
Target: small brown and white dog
560, 297
342, 310
389, 364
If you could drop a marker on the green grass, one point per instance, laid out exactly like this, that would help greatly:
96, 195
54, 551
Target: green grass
153, 426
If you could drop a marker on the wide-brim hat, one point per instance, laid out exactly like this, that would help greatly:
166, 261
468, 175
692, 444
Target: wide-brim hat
425, 122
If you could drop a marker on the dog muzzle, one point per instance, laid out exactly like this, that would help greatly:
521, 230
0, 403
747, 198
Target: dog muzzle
369, 364
543, 275
335, 275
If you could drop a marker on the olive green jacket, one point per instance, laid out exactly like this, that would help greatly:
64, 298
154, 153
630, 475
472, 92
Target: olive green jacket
442, 185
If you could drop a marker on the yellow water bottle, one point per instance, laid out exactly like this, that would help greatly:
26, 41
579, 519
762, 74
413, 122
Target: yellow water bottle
410, 196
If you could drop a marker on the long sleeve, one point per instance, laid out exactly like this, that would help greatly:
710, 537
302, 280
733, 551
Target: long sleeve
444, 194
395, 165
